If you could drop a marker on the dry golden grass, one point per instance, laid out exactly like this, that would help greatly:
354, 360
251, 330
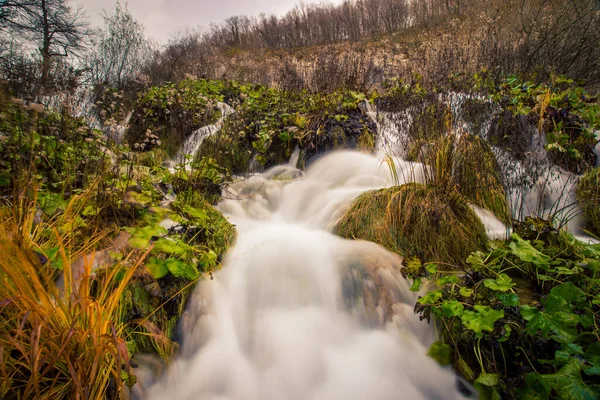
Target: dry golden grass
58, 341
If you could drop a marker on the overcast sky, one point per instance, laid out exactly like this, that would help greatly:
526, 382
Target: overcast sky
164, 18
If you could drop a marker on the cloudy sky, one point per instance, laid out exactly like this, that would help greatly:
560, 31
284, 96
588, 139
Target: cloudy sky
164, 18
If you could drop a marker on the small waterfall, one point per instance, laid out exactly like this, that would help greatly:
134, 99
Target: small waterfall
298, 313
192, 143
534, 185
294, 158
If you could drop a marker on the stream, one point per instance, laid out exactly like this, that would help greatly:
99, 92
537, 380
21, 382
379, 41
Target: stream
298, 313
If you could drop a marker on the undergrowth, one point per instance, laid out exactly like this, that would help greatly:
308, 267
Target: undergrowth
520, 320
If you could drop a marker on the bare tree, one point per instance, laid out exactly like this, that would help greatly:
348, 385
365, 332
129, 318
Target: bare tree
53, 26
121, 51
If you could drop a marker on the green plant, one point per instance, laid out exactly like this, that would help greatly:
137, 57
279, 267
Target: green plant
520, 320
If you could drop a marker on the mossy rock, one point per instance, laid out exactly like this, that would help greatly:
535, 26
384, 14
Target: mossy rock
416, 220
152, 308
172, 113
588, 194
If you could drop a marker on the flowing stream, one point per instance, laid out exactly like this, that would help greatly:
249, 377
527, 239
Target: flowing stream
298, 313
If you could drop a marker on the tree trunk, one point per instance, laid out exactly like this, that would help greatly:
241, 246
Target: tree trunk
45, 50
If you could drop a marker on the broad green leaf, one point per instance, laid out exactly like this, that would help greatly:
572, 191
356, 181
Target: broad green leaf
452, 308
447, 280
465, 292
569, 292
140, 237
535, 388
430, 298
527, 253
488, 379
180, 269
568, 385
557, 317
172, 246
431, 268
508, 299
416, 285
485, 385
158, 268
482, 319
592, 356
476, 260
503, 283
440, 352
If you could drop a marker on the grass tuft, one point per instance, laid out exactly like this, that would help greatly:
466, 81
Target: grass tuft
416, 220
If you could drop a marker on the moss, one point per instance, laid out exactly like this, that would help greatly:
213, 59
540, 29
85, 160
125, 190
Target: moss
416, 220
173, 112
588, 194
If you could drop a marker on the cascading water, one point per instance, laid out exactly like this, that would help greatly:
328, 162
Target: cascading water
192, 143
298, 313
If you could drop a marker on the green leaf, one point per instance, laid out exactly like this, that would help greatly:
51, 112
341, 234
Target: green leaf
527, 253
485, 385
440, 352
430, 298
416, 285
535, 388
503, 283
431, 268
140, 237
476, 260
557, 317
482, 319
180, 269
568, 385
508, 299
592, 356
569, 292
158, 268
452, 308
465, 292
488, 379
173, 246
451, 279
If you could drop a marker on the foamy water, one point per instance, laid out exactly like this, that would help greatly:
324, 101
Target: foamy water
297, 313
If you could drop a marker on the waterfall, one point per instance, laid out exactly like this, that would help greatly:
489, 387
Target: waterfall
192, 143
534, 185
298, 313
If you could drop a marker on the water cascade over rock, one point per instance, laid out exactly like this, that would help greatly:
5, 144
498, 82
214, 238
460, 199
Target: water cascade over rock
192, 143
298, 313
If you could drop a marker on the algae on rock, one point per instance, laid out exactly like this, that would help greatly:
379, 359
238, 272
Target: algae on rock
416, 220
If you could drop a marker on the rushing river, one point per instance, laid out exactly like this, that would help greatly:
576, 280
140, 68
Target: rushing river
298, 313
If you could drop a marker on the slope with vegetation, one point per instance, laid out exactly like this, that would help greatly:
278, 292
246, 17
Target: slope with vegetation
103, 243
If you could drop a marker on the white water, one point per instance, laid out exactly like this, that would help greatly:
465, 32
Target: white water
194, 141
298, 313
